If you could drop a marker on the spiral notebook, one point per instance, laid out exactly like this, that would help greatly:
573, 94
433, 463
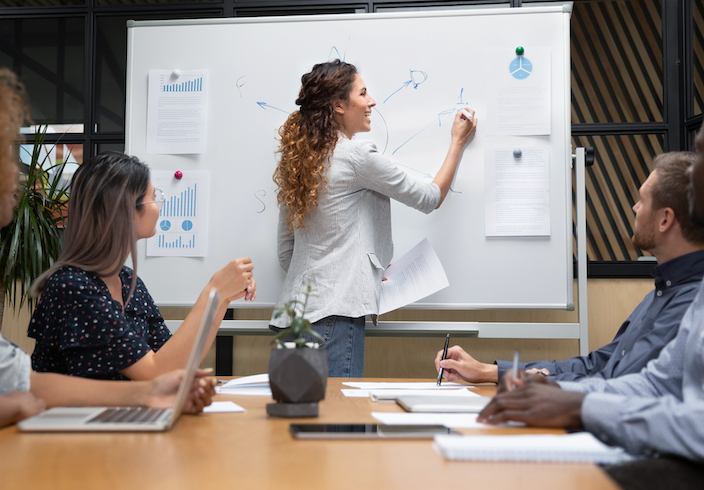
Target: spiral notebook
581, 447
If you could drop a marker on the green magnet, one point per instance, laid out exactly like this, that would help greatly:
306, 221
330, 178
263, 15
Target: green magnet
520, 50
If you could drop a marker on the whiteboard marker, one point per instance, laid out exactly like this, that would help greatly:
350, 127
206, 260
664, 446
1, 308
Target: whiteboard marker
467, 114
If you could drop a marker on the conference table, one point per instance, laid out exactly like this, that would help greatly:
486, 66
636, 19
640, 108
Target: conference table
254, 451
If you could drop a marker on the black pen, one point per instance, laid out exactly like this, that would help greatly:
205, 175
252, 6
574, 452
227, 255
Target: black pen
444, 356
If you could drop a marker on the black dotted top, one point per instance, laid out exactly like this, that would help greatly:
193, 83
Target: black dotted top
81, 331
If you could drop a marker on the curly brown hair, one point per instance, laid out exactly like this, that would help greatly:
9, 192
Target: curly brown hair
308, 138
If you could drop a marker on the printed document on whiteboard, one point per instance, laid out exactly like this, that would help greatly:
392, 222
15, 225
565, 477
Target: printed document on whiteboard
517, 192
518, 92
177, 111
414, 276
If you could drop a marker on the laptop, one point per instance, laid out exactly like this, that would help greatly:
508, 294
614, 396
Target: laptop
128, 419
442, 404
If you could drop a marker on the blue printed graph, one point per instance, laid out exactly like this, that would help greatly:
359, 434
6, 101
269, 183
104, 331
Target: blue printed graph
195, 85
183, 205
177, 241
520, 68
165, 225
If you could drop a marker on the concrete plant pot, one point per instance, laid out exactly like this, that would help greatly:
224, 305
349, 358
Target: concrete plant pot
298, 378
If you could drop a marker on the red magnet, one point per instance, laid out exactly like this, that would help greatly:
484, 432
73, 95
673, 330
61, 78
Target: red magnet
178, 174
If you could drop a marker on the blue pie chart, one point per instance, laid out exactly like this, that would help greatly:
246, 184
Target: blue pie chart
165, 225
520, 68
187, 225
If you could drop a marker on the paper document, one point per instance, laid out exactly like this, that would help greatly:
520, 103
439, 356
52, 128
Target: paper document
569, 448
517, 192
177, 111
518, 91
223, 407
449, 420
390, 395
255, 385
414, 276
417, 385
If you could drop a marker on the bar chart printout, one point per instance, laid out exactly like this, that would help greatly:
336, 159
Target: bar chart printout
182, 227
177, 111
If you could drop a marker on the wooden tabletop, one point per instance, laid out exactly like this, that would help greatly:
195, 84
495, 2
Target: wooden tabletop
254, 451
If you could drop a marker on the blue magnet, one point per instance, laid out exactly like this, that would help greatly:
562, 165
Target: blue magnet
517, 153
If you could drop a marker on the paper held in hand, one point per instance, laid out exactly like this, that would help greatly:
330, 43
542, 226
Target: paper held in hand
414, 276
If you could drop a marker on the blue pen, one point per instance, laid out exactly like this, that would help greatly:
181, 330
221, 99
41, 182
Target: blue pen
444, 356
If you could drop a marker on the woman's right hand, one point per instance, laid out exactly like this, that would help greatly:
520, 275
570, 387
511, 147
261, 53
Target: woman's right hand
232, 280
463, 129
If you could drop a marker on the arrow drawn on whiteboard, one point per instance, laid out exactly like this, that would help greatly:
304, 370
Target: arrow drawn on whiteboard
266, 106
335, 50
260, 192
441, 116
417, 77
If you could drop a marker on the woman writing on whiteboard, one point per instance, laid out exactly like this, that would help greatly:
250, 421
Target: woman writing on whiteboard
334, 208
95, 317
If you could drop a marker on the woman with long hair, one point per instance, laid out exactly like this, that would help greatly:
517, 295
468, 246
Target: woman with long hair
24, 392
95, 317
334, 208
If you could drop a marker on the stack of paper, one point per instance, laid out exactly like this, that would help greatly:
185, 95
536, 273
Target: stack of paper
249, 385
572, 448
387, 391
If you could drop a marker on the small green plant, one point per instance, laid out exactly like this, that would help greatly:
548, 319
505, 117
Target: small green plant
31, 243
299, 324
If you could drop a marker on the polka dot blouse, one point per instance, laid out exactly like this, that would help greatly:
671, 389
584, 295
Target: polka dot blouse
81, 331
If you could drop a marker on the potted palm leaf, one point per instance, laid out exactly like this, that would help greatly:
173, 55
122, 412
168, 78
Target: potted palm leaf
31, 243
298, 370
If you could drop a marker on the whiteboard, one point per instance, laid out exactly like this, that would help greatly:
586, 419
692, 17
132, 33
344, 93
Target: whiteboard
254, 68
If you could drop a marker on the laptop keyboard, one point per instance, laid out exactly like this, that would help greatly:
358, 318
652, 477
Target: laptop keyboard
128, 415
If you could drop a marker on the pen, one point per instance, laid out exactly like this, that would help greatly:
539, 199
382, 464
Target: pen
516, 356
467, 114
444, 356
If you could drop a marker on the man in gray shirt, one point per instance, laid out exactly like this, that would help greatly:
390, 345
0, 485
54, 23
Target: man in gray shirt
656, 412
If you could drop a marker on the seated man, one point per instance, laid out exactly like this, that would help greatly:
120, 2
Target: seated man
663, 228
658, 411
24, 393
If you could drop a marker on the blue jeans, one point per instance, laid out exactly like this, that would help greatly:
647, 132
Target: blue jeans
344, 341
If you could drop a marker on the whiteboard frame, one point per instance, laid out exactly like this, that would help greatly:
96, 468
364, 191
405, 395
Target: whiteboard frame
564, 9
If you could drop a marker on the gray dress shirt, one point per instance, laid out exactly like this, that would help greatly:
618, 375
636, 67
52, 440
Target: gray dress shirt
659, 410
651, 326
15, 367
346, 243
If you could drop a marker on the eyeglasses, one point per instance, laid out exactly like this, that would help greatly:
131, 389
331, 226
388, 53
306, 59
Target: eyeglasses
158, 198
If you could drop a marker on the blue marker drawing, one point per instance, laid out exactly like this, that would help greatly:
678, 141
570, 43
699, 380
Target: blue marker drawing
417, 77
266, 106
441, 116
520, 68
339, 56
